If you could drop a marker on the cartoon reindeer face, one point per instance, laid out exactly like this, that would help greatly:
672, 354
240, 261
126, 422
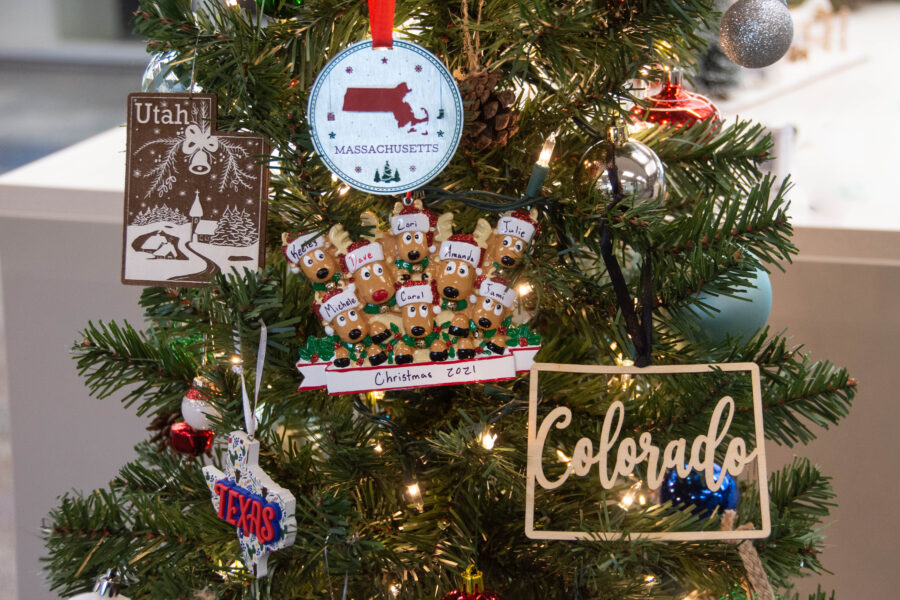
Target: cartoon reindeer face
416, 300
340, 311
413, 230
460, 258
494, 304
508, 241
310, 253
364, 261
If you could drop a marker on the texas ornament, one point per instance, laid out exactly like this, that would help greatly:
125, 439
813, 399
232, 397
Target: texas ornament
246, 498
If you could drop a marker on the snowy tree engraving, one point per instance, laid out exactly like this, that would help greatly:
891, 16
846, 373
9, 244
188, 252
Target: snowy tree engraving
160, 213
235, 228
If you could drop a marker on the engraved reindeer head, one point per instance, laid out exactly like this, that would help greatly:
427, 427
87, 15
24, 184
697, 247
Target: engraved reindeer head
365, 263
494, 303
341, 314
507, 242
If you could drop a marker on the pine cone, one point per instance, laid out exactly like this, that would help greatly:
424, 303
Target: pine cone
160, 426
492, 120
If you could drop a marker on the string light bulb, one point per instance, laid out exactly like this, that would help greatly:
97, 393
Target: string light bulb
414, 493
378, 449
547, 150
487, 438
541, 167
524, 289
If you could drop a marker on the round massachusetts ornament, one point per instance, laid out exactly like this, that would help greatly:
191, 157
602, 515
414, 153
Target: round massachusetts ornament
385, 120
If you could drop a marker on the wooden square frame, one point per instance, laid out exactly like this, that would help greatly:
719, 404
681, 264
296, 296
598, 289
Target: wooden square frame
535, 456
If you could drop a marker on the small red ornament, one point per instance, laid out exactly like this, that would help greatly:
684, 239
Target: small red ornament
473, 588
187, 440
676, 106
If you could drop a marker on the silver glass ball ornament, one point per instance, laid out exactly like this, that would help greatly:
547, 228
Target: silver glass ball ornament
164, 75
641, 172
756, 33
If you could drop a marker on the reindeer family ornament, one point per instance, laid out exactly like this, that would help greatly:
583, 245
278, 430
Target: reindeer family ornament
195, 197
415, 305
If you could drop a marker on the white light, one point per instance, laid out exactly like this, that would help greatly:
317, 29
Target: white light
650, 579
231, 2
562, 456
524, 289
413, 490
378, 449
628, 500
376, 396
547, 151
488, 439
236, 360
342, 191
395, 590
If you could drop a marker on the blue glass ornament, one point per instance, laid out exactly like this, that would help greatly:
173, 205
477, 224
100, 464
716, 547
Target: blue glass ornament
692, 490
741, 316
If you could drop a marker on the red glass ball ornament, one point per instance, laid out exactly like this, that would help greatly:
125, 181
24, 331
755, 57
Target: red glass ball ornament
455, 595
675, 106
187, 440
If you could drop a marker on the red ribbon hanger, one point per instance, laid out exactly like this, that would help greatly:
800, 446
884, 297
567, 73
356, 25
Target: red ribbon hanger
381, 17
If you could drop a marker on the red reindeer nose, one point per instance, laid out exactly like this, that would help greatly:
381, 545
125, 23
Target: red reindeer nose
379, 295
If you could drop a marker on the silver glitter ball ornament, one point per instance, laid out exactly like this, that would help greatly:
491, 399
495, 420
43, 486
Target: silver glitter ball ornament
756, 33
164, 75
641, 173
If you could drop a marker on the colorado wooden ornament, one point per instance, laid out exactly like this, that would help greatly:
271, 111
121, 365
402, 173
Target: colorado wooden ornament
245, 497
385, 121
623, 457
195, 198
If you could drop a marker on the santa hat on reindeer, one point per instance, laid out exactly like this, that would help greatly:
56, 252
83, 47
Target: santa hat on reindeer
360, 254
414, 218
520, 224
419, 292
497, 289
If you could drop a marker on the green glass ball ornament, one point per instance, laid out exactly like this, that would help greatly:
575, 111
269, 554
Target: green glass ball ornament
756, 33
741, 316
279, 9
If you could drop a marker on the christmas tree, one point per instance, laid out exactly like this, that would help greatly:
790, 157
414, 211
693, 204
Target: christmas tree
398, 493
